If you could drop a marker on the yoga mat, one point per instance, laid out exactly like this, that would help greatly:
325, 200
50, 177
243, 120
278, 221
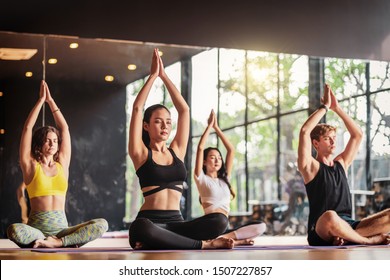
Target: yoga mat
237, 248
294, 247
81, 250
71, 250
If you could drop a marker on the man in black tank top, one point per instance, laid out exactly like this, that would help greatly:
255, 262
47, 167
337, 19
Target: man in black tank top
330, 221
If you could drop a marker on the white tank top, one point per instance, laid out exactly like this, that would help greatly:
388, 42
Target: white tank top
214, 192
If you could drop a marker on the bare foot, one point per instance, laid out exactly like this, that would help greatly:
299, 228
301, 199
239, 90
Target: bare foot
218, 243
381, 238
338, 241
246, 241
48, 242
138, 246
387, 241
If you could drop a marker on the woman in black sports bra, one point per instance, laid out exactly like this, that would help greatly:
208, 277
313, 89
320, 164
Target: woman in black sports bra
161, 171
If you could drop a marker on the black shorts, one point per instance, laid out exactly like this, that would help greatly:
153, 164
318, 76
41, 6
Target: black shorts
314, 240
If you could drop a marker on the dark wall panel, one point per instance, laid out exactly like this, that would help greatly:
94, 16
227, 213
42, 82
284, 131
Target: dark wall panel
97, 120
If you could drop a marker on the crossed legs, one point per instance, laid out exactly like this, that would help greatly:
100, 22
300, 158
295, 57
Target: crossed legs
372, 230
50, 229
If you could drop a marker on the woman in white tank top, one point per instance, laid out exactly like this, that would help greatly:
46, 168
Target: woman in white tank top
212, 175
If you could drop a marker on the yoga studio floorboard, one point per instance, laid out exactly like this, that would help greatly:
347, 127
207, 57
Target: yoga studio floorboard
265, 248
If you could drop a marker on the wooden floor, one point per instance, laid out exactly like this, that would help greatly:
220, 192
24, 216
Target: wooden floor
277, 248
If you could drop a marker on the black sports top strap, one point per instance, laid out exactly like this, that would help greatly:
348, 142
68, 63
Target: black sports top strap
172, 186
164, 176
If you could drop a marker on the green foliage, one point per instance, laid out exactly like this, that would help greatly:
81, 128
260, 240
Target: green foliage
345, 76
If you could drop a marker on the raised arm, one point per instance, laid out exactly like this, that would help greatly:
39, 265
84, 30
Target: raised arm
199, 152
356, 134
307, 165
26, 160
179, 143
136, 148
228, 146
62, 125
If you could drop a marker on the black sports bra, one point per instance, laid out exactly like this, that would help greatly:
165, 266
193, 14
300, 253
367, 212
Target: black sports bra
164, 176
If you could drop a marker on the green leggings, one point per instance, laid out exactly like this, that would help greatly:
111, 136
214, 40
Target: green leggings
49, 223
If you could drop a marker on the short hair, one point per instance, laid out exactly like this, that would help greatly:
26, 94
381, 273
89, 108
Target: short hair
320, 130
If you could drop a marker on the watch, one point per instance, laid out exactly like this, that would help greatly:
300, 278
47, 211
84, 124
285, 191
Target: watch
324, 106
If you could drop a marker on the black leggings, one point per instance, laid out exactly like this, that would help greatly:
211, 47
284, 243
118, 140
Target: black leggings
166, 229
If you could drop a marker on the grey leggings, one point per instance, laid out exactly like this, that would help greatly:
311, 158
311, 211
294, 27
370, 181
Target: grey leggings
54, 223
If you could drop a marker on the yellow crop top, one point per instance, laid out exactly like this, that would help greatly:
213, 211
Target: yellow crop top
42, 185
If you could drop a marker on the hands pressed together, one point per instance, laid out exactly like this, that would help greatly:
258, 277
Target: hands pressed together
212, 120
329, 99
157, 68
44, 93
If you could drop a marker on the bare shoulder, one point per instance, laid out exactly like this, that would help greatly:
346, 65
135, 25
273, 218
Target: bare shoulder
179, 151
28, 170
139, 158
340, 160
310, 171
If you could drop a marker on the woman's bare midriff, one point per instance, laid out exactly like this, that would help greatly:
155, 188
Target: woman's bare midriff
166, 199
47, 203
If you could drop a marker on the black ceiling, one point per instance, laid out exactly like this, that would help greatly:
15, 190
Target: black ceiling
90, 62
333, 28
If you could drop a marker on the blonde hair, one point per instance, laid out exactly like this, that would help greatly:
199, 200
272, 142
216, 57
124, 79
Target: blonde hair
320, 130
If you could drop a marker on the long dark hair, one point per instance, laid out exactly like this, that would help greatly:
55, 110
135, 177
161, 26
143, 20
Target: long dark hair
147, 115
222, 173
39, 138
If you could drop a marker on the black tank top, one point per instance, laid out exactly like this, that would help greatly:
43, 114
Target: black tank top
164, 176
329, 190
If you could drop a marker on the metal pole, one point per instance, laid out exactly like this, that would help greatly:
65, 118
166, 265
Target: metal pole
44, 78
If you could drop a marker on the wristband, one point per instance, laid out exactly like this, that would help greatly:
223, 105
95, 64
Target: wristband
56, 110
323, 106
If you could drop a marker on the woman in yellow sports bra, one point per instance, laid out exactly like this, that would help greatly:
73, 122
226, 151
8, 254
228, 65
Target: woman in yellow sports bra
44, 160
